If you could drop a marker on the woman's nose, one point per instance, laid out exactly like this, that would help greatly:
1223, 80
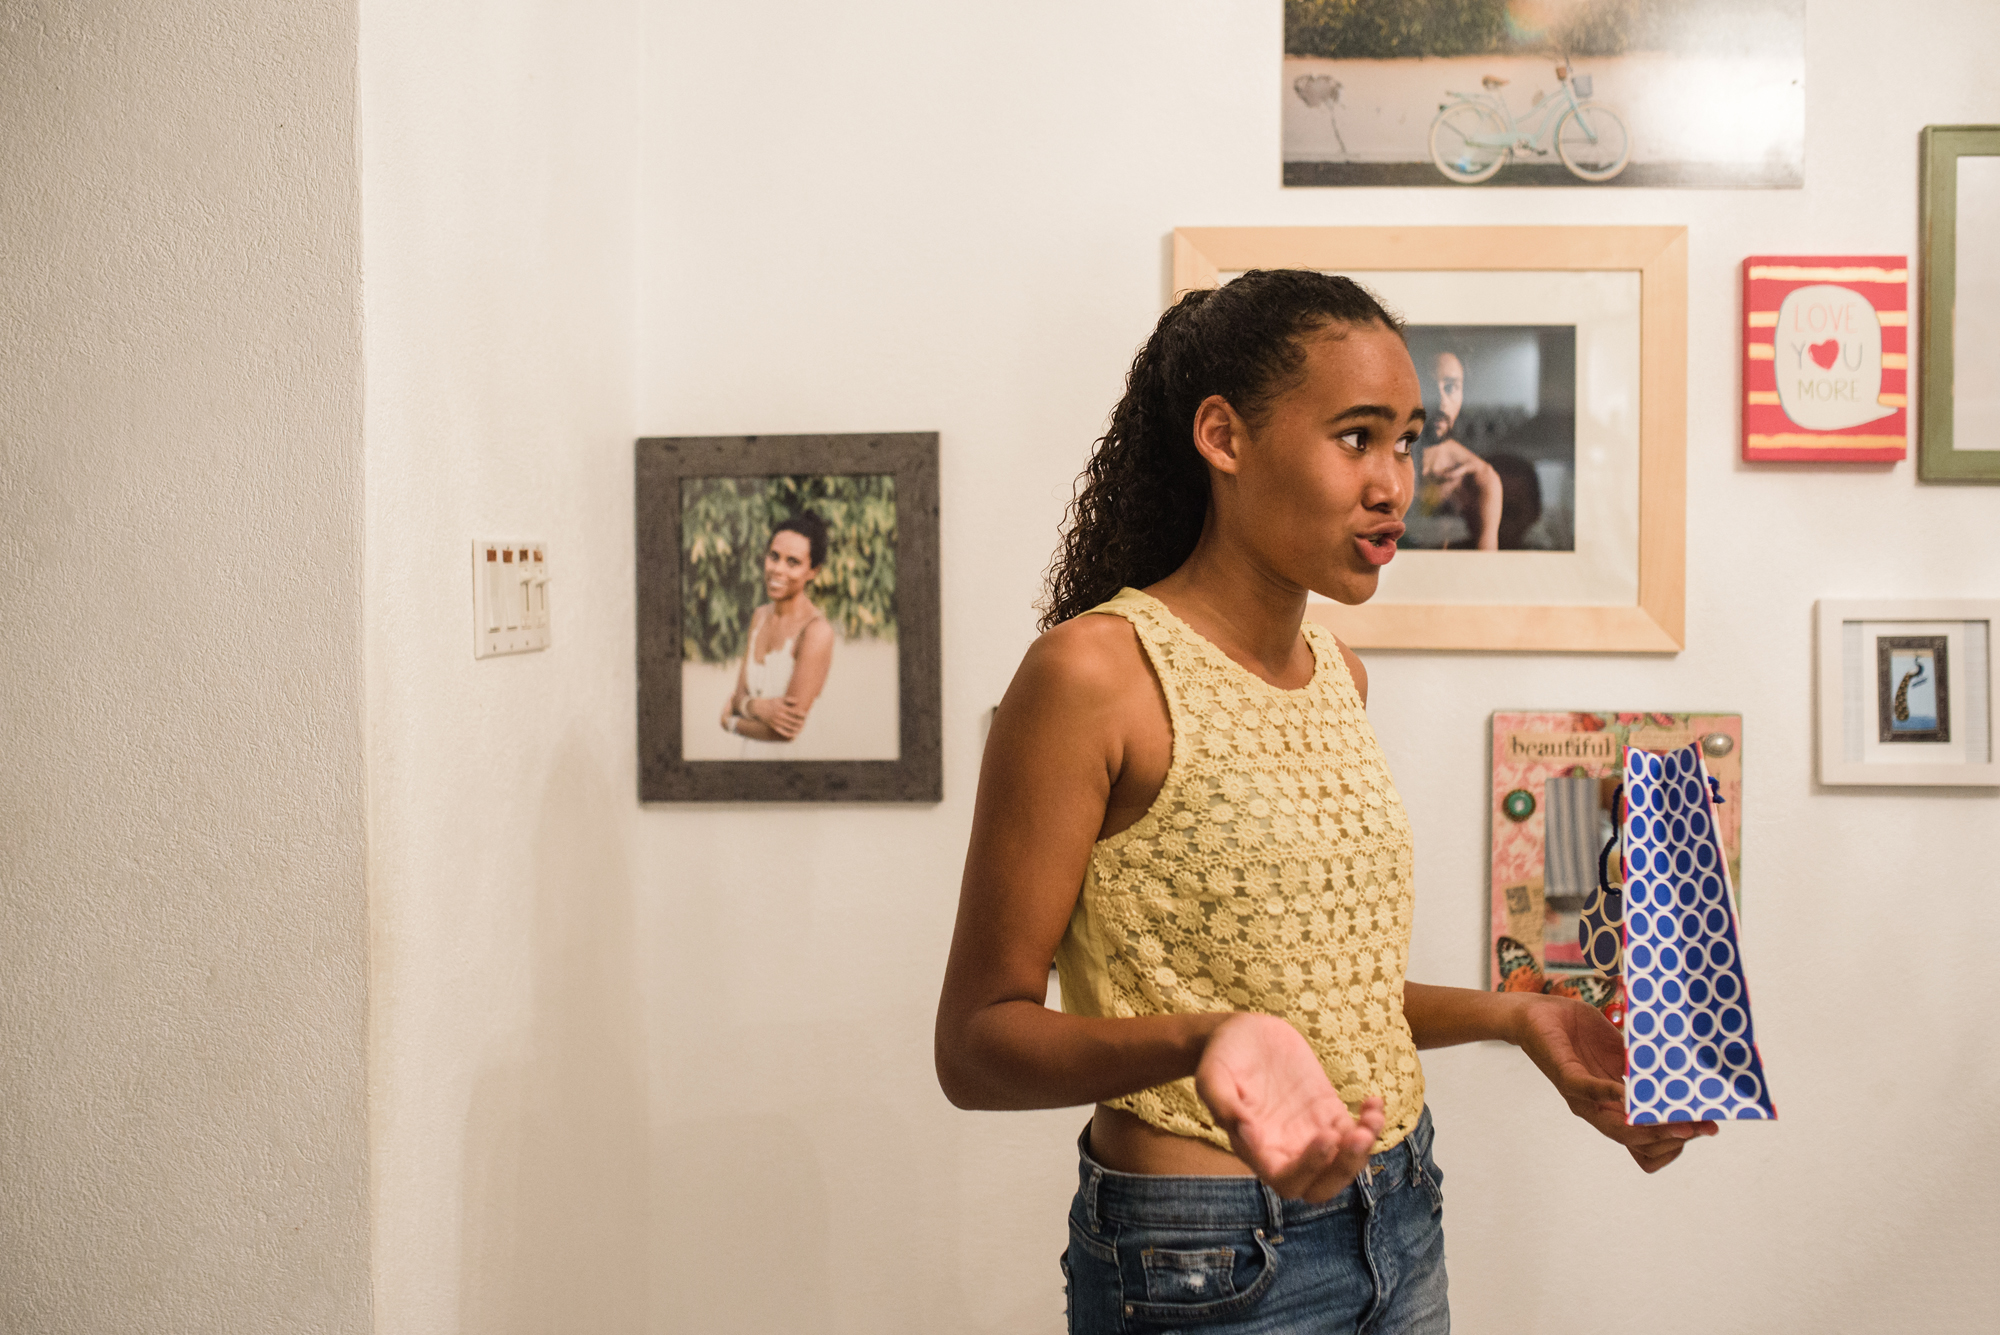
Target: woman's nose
1389, 483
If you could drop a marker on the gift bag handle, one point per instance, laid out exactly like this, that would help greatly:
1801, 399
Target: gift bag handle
1611, 844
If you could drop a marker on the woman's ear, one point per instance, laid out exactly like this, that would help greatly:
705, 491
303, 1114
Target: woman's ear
1219, 434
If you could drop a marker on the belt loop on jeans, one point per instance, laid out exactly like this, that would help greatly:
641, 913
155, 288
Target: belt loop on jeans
1364, 1182
1274, 1210
1419, 1141
1090, 1198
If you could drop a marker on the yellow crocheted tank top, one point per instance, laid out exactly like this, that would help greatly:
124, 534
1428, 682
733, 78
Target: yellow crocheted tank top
1271, 874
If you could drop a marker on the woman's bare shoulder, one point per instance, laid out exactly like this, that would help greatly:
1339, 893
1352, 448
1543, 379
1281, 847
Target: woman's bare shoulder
1089, 660
1082, 691
818, 630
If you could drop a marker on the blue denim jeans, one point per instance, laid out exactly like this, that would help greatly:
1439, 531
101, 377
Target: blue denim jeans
1228, 1254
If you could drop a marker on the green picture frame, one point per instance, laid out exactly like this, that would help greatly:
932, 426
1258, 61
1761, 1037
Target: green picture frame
1940, 456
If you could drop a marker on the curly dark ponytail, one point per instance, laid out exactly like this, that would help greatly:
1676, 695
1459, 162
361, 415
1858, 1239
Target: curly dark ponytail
1142, 498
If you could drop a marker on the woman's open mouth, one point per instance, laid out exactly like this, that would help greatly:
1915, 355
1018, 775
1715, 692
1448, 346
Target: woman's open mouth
1379, 548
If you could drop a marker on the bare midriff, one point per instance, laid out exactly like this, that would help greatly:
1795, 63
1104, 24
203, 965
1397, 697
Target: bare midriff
1125, 1144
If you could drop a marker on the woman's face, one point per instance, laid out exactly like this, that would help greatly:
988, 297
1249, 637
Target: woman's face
788, 565
1323, 481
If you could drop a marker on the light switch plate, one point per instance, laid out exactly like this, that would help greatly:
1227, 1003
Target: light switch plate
510, 596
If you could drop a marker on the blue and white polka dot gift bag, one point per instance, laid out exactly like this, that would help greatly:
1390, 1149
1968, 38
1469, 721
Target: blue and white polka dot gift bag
1690, 1049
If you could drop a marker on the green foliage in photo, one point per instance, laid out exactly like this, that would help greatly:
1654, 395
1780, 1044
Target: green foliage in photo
726, 523
1379, 30
1407, 29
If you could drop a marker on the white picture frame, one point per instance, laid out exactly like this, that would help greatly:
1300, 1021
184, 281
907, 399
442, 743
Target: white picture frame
1953, 744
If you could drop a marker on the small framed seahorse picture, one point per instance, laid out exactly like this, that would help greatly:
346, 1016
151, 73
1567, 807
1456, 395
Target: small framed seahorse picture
1826, 358
1906, 692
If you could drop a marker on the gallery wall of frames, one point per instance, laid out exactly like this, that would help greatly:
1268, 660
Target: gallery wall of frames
1702, 297
1554, 360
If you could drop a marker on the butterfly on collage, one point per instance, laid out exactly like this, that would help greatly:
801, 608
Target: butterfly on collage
1519, 973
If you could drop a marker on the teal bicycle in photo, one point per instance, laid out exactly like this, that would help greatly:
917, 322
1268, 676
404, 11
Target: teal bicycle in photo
1475, 133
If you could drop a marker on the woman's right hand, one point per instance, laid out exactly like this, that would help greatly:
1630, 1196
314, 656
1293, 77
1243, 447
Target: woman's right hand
781, 716
1266, 1087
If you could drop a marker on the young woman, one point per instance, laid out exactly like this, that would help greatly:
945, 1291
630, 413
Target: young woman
790, 648
1183, 805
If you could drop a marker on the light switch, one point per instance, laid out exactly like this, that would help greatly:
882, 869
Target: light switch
510, 596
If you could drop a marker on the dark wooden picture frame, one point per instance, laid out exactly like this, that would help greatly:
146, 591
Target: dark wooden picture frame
660, 464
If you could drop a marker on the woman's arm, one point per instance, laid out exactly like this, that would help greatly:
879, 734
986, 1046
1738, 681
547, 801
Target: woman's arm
1072, 726
1486, 478
750, 723
1474, 487
1580, 1052
738, 714
734, 706
1052, 756
787, 716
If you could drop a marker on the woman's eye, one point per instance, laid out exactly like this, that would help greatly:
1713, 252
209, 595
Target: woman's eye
1354, 440
1404, 444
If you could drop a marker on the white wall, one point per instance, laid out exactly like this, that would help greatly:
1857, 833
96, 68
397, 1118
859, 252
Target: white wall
182, 981
511, 1092
893, 215
668, 1069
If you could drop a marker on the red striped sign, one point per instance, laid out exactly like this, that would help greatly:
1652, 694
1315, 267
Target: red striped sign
1826, 357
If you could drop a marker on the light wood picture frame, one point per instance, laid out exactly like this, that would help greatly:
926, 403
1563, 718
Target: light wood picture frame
1948, 722
1653, 621
1958, 439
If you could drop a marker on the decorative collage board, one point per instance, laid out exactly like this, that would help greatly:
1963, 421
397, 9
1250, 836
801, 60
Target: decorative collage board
1617, 846
1555, 781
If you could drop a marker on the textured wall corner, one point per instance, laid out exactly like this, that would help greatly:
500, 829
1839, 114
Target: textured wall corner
182, 928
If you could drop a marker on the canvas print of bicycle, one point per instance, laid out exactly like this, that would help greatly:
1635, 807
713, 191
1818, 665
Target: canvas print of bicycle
1694, 93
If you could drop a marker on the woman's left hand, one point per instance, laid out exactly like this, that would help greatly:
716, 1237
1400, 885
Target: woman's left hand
1583, 1055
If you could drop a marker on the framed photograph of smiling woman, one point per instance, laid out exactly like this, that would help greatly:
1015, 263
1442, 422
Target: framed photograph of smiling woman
788, 618
1549, 499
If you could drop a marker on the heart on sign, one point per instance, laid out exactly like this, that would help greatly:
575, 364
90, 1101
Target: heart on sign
1824, 353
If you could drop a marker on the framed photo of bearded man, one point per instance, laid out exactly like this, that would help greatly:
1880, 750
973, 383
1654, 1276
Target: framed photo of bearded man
1550, 506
